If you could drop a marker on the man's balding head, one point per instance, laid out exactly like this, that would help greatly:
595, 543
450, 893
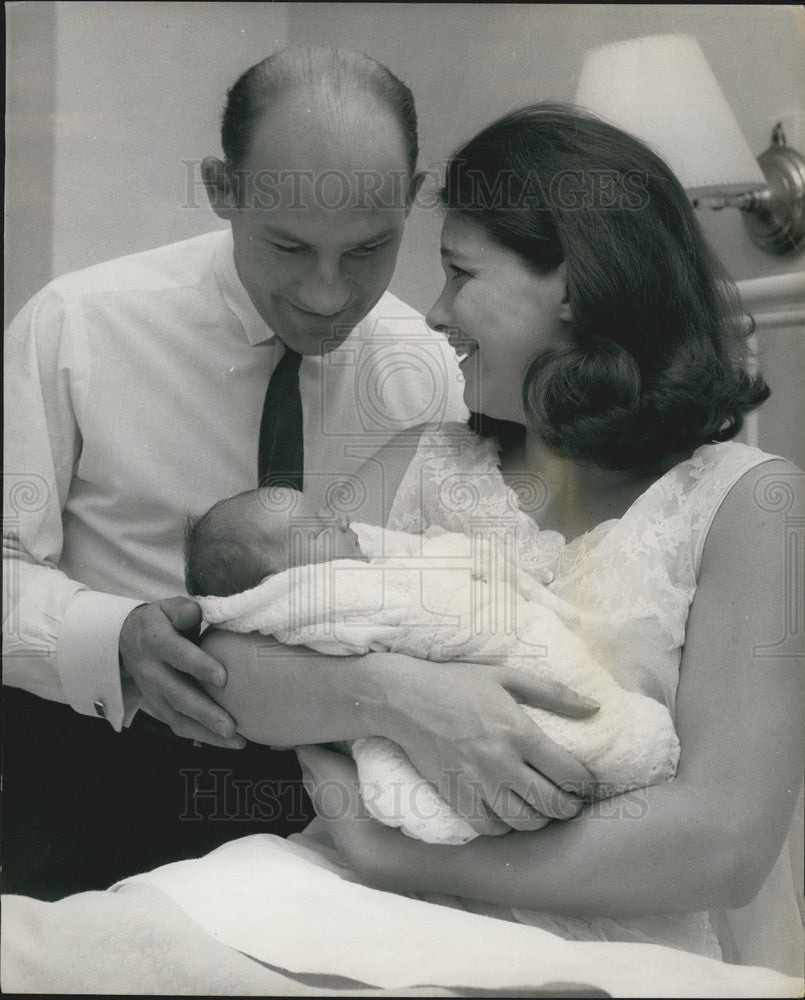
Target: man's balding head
321, 150
333, 81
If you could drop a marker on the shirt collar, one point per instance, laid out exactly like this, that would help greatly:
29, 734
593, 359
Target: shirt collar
235, 295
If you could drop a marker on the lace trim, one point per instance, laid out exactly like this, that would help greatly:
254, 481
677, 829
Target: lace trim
454, 482
642, 566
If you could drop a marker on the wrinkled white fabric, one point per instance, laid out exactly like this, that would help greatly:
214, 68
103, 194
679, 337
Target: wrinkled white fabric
293, 905
447, 596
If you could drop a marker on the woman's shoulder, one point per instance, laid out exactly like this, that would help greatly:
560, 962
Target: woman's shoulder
727, 458
727, 482
700, 482
733, 489
755, 484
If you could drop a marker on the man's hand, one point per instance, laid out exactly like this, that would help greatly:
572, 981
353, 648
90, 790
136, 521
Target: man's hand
157, 650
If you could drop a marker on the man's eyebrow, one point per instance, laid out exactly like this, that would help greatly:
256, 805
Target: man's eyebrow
387, 234
448, 251
376, 238
282, 234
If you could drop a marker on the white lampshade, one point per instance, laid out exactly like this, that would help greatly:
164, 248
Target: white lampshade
661, 90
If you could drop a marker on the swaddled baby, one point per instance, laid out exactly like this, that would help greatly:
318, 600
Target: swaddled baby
268, 561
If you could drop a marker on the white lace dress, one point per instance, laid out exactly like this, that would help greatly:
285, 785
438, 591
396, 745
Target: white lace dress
632, 580
295, 904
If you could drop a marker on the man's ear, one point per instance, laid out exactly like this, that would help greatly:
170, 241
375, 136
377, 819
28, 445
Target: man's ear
220, 186
413, 189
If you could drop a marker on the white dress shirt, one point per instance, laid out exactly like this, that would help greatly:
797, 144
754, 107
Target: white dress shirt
134, 391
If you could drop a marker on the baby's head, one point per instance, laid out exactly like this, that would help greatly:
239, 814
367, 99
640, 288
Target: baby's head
245, 538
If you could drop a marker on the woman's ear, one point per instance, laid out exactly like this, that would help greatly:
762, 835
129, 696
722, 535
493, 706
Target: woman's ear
565, 312
220, 187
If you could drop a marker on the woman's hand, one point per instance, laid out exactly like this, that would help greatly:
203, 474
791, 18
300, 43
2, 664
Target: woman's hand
459, 723
464, 732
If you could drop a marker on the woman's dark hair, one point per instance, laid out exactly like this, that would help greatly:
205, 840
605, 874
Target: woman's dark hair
337, 72
655, 364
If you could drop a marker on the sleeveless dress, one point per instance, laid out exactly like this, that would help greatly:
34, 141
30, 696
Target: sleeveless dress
632, 579
296, 904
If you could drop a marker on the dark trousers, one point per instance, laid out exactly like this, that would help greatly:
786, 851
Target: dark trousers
83, 806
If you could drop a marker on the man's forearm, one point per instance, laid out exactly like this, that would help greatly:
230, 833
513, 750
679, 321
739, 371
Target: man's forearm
60, 639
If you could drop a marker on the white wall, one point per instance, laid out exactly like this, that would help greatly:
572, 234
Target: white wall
128, 91
778, 305
139, 87
30, 98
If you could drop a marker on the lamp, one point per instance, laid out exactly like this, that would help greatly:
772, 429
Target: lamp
662, 90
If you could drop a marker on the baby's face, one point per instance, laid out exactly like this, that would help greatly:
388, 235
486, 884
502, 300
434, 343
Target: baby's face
298, 533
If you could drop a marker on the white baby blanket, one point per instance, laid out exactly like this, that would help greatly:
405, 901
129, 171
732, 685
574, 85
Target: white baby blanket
447, 596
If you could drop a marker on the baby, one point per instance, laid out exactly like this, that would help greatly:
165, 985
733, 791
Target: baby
267, 560
258, 533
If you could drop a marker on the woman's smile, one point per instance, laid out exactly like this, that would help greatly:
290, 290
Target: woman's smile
497, 309
464, 348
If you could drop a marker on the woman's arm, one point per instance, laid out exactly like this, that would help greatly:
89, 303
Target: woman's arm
459, 723
706, 839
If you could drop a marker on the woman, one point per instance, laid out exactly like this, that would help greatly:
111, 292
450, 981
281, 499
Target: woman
575, 270
601, 349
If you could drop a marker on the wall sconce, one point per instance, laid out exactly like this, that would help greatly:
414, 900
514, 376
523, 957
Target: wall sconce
662, 90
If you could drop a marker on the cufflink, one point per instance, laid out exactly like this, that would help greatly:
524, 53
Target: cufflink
100, 709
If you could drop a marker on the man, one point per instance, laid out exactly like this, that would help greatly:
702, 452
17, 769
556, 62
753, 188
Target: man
135, 396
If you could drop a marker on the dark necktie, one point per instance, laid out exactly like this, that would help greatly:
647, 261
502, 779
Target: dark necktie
281, 452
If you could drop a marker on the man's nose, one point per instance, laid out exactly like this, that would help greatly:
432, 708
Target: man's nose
324, 289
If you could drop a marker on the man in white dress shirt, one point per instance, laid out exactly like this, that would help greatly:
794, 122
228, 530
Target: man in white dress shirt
134, 394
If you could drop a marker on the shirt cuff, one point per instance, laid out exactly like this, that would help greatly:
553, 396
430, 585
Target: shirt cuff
88, 657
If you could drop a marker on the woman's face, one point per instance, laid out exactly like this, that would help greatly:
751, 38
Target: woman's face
497, 314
